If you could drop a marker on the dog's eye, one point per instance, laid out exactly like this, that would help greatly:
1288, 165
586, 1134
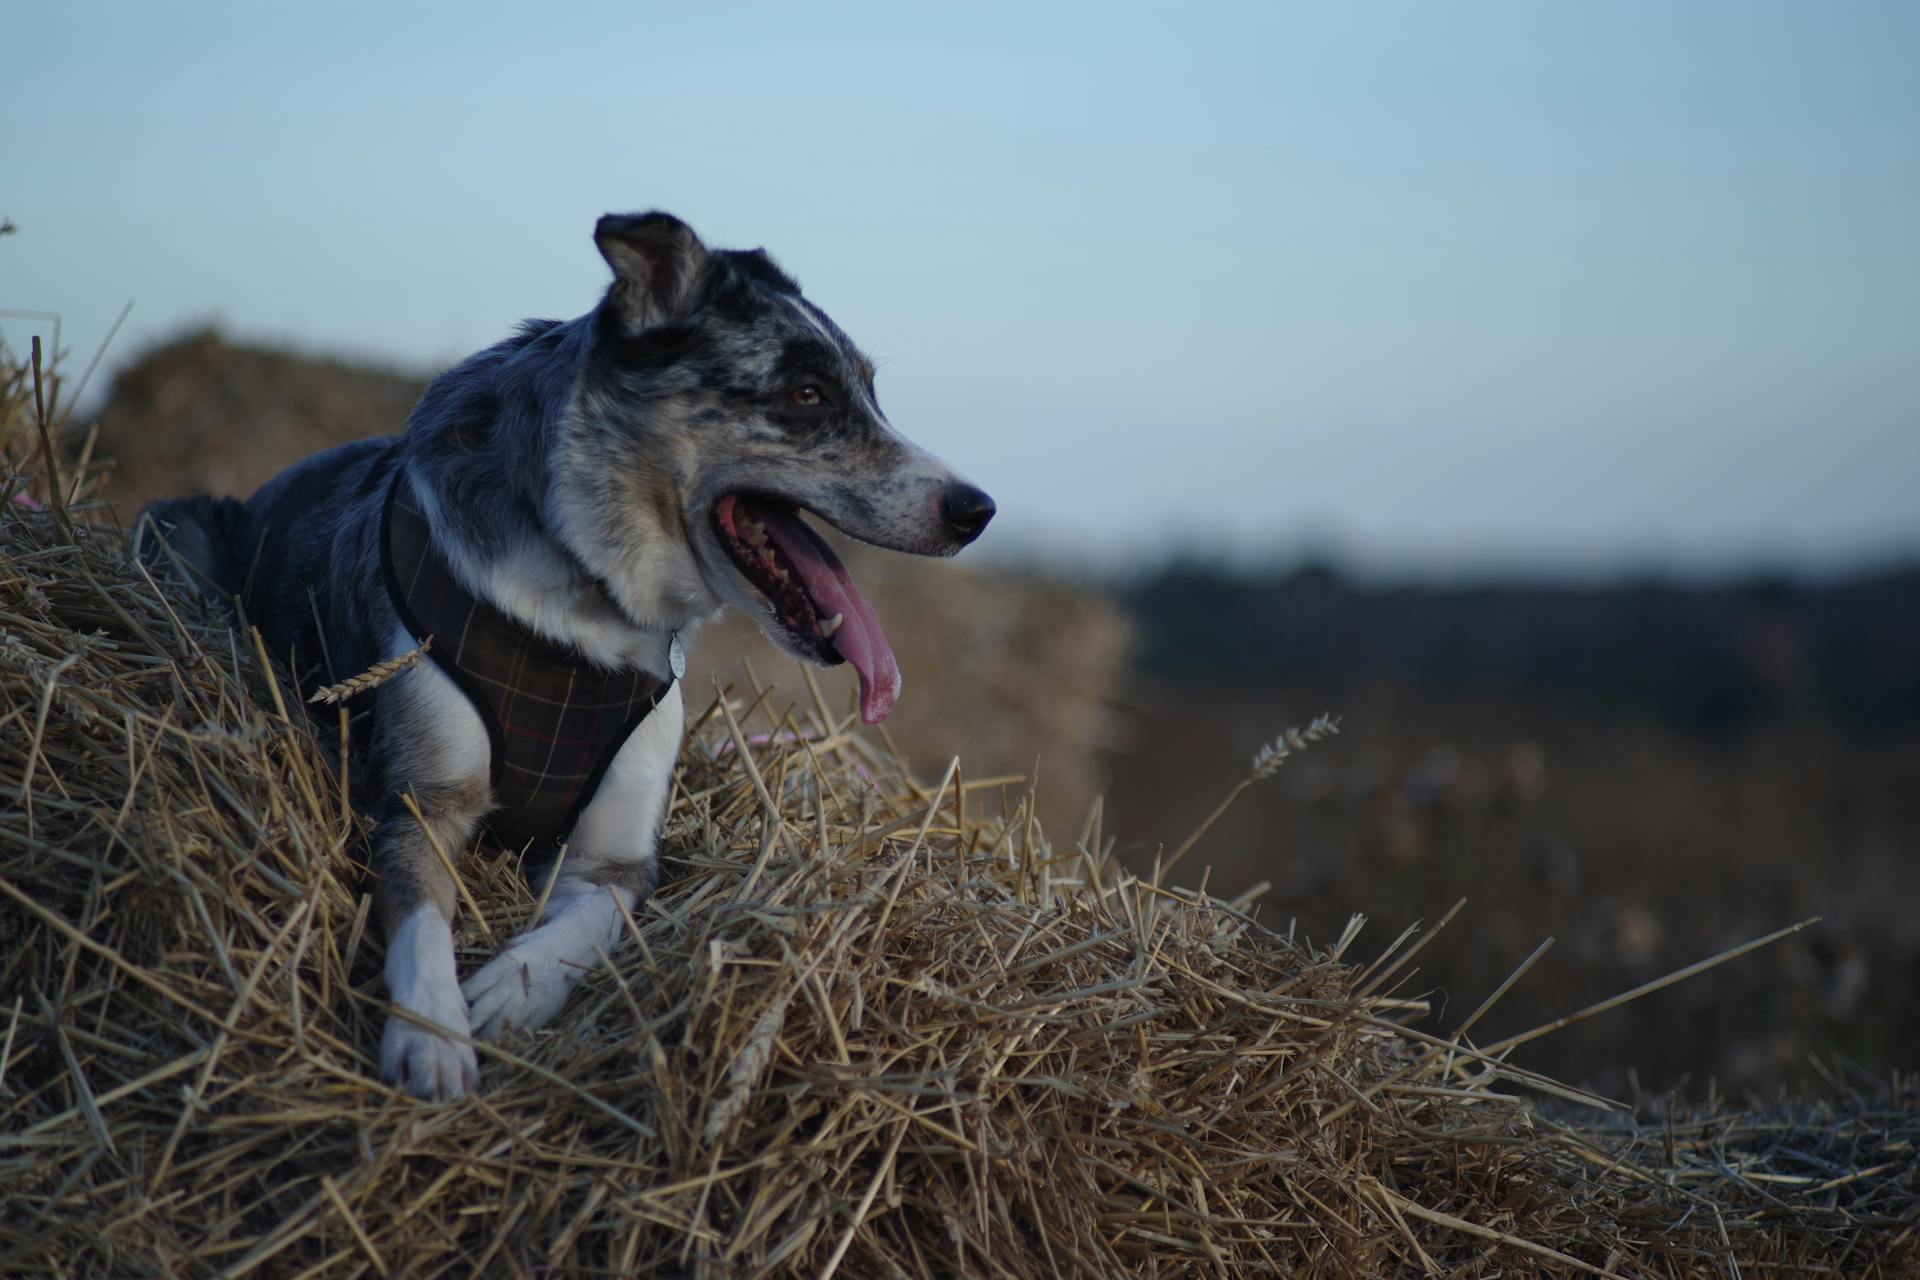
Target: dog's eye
808, 395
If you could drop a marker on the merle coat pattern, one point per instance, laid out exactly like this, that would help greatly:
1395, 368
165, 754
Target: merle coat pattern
570, 475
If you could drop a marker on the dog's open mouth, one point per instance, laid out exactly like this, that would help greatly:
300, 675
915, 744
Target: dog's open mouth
811, 593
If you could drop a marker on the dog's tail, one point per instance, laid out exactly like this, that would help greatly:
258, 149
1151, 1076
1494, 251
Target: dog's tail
200, 540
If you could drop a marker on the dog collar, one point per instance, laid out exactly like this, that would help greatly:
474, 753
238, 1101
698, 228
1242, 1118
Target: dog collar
555, 719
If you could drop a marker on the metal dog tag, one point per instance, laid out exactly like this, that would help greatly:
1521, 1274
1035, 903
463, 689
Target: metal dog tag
677, 657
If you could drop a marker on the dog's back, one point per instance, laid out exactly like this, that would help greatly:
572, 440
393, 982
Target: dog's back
295, 553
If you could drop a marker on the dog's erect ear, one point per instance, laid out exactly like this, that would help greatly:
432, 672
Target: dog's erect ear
656, 261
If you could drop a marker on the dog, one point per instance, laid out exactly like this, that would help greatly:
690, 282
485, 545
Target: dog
560, 514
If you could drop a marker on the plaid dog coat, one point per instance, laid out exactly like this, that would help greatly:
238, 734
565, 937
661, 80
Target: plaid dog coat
555, 720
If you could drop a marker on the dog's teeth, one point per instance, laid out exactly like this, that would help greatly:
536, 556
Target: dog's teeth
831, 625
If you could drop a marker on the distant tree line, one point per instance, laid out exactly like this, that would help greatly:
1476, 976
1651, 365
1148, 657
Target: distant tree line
1713, 658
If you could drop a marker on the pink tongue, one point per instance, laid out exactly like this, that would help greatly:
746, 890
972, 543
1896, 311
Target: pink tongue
859, 640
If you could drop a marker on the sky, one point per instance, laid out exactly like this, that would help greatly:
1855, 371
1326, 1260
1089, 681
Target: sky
1423, 287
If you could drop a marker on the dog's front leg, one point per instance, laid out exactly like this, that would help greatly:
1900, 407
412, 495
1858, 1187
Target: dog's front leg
610, 865
434, 747
415, 897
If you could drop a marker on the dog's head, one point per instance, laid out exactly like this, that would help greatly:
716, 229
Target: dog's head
717, 406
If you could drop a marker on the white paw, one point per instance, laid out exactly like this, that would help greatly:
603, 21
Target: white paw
524, 986
420, 979
425, 1064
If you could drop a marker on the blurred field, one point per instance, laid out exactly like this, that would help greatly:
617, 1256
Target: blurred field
1646, 774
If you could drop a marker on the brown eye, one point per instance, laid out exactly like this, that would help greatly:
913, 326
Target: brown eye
808, 395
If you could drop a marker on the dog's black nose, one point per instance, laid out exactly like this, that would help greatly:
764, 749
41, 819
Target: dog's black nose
966, 511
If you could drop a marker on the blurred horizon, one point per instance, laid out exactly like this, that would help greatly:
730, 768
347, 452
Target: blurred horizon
1496, 290
1274, 561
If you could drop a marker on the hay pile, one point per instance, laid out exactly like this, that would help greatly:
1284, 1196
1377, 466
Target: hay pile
202, 414
864, 1029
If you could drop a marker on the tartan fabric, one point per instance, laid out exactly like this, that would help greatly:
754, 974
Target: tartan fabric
555, 720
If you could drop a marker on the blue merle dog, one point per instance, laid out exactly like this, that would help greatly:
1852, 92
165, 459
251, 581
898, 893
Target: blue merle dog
561, 513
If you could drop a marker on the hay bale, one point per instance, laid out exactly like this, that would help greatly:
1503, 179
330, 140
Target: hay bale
869, 1026
200, 414
1004, 669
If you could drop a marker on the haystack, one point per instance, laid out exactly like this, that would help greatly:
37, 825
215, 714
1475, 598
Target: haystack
872, 1025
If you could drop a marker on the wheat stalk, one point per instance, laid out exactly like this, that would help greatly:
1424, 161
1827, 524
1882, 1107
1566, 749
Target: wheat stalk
1267, 760
1266, 763
373, 677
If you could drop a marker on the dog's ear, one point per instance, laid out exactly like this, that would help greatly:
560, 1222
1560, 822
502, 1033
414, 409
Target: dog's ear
657, 261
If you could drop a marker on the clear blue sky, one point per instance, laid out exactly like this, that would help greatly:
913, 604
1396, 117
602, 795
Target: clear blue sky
1437, 285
